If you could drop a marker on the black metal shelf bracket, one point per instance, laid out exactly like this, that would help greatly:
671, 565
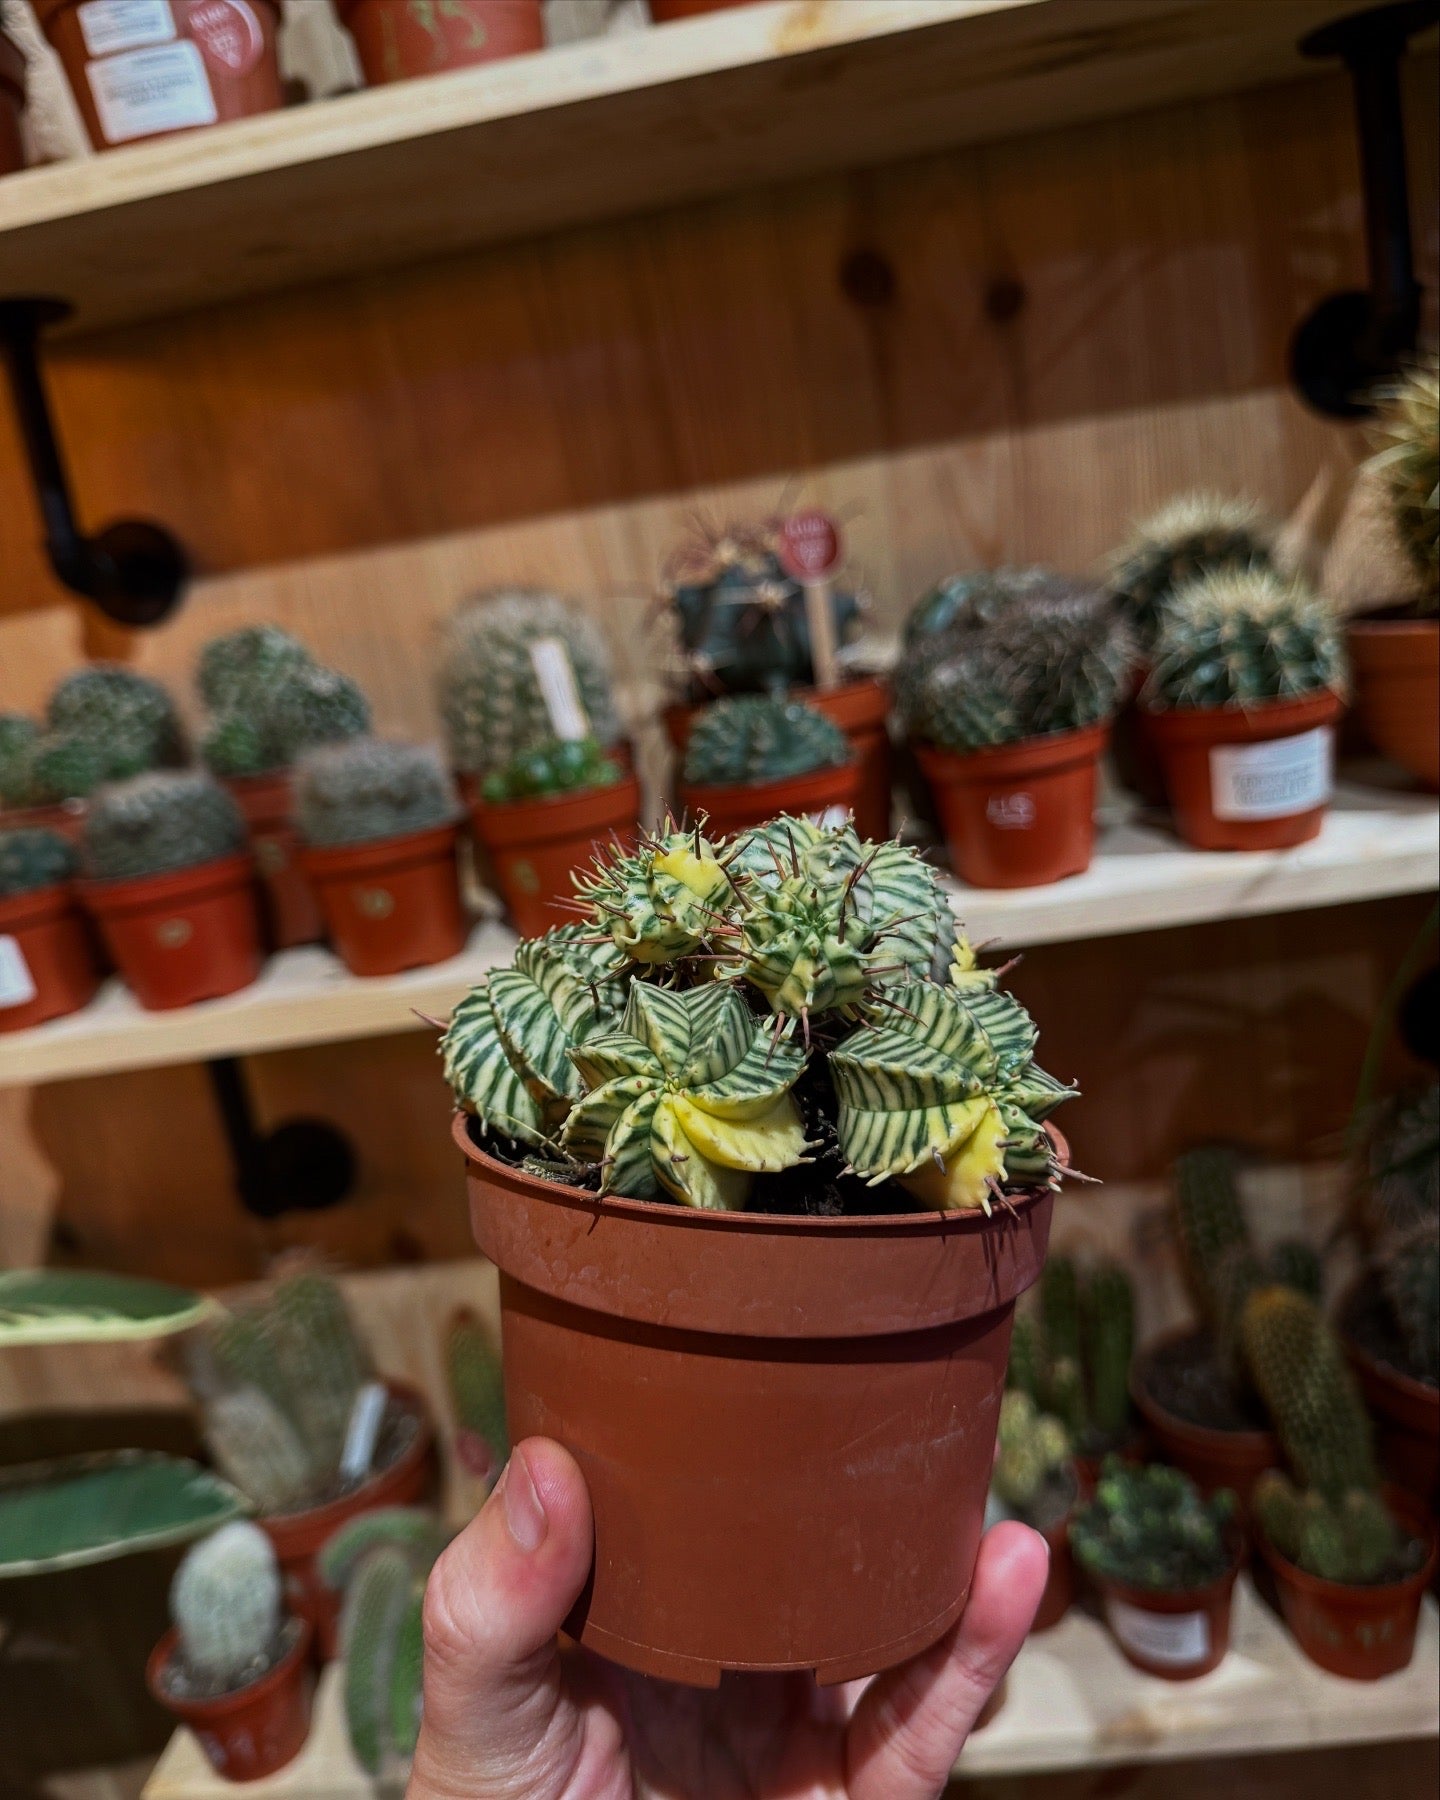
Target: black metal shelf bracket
1354, 342
134, 571
303, 1165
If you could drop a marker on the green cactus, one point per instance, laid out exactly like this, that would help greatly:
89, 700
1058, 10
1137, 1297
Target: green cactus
128, 717
1352, 1539
1404, 1162
753, 738
1072, 1351
66, 766
270, 702
1149, 1528
368, 790
239, 669
159, 822
1060, 1309
225, 1602
1107, 1318
17, 743
659, 903
418, 1534
1023, 1372
477, 1395
963, 604
311, 706
1408, 459
382, 1690
1032, 1449
1302, 1376
1242, 638
31, 858
554, 767
323, 1361
236, 745
492, 701
1410, 1274
259, 1448
1191, 535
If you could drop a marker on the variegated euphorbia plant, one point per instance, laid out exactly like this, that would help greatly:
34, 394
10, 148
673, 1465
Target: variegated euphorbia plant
726, 1010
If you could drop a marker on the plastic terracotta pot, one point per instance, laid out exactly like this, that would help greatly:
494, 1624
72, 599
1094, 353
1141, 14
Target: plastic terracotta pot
188, 935
1396, 668
786, 1423
664, 11
1020, 815
66, 816
1359, 1632
1407, 1419
392, 904
534, 847
399, 38
254, 1731
1212, 1459
291, 911
1175, 1636
148, 70
298, 1537
1059, 1593
12, 104
1254, 778
727, 809
47, 962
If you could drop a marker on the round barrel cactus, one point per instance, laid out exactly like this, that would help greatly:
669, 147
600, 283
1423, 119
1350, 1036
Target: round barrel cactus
155, 823
1241, 638
367, 789
755, 738
32, 858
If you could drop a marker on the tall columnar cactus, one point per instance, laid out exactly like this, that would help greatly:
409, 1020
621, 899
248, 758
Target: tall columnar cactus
128, 716
1350, 1539
418, 1534
1108, 1346
1243, 637
32, 858
1309, 1392
259, 1447
500, 655
1032, 1449
239, 669
1191, 535
1408, 460
225, 1601
754, 738
477, 1394
1071, 1353
159, 822
1220, 1258
1149, 1528
381, 1632
368, 789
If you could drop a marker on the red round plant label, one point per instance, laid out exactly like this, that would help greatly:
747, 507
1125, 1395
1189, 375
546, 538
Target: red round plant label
810, 545
228, 34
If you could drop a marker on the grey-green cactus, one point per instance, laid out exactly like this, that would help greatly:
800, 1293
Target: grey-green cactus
1408, 460
1149, 1528
225, 1602
155, 823
1410, 1274
1241, 638
273, 703
1192, 535
369, 789
381, 1629
1032, 1450
1351, 1539
127, 716
32, 858
259, 1447
17, 744
477, 1395
970, 603
753, 738
238, 669
418, 1534
1300, 1370
499, 653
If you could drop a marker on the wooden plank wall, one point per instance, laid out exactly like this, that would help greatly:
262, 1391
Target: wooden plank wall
999, 353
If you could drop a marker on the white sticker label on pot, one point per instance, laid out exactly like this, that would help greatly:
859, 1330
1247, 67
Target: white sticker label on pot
559, 688
145, 91
1274, 780
1174, 1640
17, 984
1011, 812
111, 25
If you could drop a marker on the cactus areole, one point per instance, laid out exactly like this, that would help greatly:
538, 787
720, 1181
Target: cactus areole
763, 1158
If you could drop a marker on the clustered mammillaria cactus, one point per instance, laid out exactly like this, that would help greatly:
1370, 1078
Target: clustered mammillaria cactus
792, 999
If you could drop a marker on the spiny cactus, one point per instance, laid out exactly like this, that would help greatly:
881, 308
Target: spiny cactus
1350, 1539
225, 1601
159, 822
1149, 1528
239, 668
381, 1632
1024, 1369
1309, 1392
477, 1394
418, 1534
1409, 462
754, 738
285, 705
66, 766
259, 1448
128, 716
496, 655
1192, 535
554, 767
1032, 1447
369, 789
1404, 1162
1107, 1317
1072, 1353
1243, 637
970, 602
1410, 1274
32, 858
660, 902
17, 741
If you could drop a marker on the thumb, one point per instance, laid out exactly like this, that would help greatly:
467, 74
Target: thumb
496, 1720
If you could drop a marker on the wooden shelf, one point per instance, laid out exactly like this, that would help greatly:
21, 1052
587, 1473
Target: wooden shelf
605, 128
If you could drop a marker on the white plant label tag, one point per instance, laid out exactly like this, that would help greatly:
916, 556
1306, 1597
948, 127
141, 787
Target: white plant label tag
1174, 1640
17, 984
111, 25
559, 689
362, 1431
144, 92
1275, 780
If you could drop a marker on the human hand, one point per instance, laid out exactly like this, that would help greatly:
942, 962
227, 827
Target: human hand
509, 1716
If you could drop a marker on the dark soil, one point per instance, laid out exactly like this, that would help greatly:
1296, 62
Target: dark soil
178, 1682
1184, 1379
1370, 1325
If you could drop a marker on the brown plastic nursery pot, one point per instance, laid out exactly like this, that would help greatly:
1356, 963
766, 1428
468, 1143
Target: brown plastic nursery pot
1254, 778
188, 935
292, 913
299, 1537
1059, 1593
12, 104
1407, 1420
1176, 1636
146, 72
1212, 1459
49, 968
535, 846
1395, 664
664, 11
392, 904
1359, 1632
397, 39
65, 816
786, 1423
254, 1731
730, 809
1018, 815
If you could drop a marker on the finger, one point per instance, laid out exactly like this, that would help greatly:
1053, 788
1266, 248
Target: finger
495, 1719
911, 1721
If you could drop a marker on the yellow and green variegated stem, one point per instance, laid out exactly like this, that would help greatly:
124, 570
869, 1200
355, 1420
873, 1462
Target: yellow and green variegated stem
662, 902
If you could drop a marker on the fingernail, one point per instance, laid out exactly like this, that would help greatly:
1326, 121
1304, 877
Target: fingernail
523, 1512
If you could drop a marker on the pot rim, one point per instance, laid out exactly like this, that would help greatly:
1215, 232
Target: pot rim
1045, 754
219, 1706
308, 1519
138, 893
36, 906
1366, 625
1210, 1437
354, 859
1409, 1512
541, 818
1203, 722
813, 784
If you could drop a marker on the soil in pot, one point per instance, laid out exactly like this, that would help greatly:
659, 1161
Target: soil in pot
188, 935
291, 911
1362, 1633
398, 39
823, 794
1220, 1439
47, 962
1248, 779
254, 1730
145, 71
1018, 815
12, 103
1177, 1636
533, 847
1395, 665
1405, 1408
786, 1422
391, 904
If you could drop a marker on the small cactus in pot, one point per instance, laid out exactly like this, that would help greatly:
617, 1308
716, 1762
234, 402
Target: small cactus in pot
1071, 1354
1034, 1476
32, 858
1149, 1529
556, 766
1243, 638
239, 669
294, 708
1190, 536
47, 963
740, 742
103, 723
369, 790
1407, 460
158, 823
